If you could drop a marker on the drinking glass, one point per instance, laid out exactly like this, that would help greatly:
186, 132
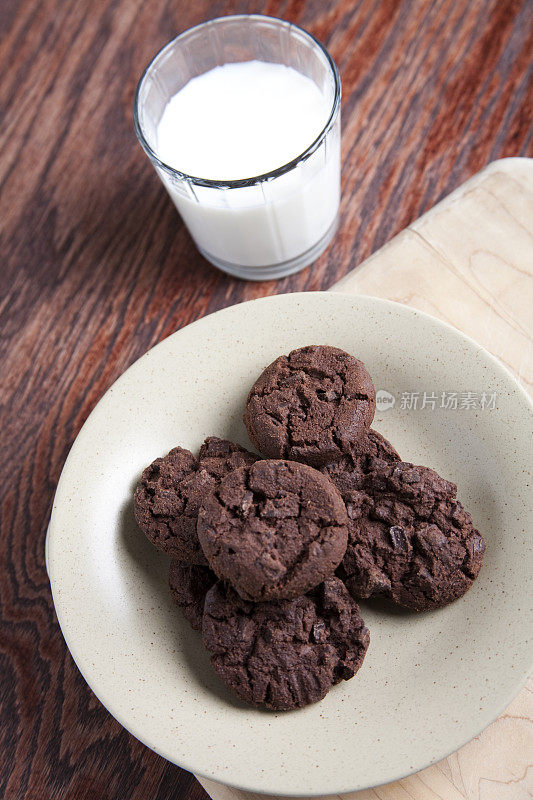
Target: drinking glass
265, 226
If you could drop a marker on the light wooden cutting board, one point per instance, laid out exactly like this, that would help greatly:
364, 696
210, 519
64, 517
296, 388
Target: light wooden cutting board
468, 261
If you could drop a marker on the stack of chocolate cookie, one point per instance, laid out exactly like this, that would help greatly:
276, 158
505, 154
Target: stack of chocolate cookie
269, 554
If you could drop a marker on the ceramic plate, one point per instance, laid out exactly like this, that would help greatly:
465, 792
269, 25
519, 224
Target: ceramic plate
430, 682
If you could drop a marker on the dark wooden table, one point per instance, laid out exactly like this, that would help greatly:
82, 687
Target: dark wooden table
96, 268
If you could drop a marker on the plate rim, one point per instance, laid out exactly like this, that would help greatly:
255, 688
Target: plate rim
51, 566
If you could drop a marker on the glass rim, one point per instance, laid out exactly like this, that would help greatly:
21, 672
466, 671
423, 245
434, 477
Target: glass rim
255, 179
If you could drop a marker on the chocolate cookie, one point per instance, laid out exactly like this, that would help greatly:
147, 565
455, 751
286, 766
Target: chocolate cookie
371, 452
168, 496
409, 539
287, 654
311, 406
274, 530
189, 584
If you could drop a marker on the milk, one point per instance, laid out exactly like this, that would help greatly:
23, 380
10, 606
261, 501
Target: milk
239, 121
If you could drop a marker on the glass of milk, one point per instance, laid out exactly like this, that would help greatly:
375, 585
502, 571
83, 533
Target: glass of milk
240, 117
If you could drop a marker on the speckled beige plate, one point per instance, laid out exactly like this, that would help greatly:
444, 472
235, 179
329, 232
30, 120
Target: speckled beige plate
430, 682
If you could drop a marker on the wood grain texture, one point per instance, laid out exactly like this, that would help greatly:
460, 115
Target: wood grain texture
96, 267
468, 261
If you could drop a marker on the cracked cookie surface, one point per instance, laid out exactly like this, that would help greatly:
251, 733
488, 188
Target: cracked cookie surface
189, 584
171, 489
310, 406
409, 539
371, 452
274, 530
286, 654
